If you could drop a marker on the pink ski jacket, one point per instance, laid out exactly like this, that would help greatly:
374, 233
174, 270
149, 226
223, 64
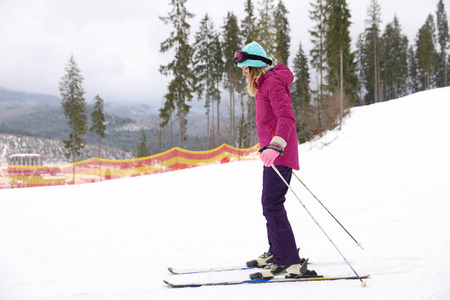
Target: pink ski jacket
274, 114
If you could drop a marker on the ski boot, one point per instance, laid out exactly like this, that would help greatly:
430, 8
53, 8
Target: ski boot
262, 261
289, 271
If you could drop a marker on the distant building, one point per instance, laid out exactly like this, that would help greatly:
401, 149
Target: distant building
28, 159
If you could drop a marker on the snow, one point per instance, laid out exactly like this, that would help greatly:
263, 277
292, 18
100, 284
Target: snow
384, 176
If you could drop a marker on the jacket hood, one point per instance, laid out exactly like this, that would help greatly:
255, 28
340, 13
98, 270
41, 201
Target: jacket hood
282, 72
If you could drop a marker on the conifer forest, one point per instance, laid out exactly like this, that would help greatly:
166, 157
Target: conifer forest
331, 77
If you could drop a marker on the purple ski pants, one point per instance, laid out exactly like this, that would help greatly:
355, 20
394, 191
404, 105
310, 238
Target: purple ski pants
279, 231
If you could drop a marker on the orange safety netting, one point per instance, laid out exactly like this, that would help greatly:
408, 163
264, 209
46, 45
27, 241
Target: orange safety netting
98, 169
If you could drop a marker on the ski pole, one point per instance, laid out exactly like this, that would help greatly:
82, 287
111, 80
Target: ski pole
363, 283
358, 244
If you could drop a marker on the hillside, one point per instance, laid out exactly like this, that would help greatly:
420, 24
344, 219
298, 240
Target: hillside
41, 116
384, 176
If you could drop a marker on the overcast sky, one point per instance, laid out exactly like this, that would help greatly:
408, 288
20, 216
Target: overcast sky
116, 42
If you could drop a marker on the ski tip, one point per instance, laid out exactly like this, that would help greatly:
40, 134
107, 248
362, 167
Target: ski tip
171, 270
184, 285
170, 285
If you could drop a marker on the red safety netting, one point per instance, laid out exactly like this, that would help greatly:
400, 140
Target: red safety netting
99, 169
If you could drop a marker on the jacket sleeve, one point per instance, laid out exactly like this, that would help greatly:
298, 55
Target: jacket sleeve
280, 100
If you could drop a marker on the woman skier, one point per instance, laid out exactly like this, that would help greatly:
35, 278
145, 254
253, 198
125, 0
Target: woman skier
275, 125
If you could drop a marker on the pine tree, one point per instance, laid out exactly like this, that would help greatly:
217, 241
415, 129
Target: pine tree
142, 150
444, 40
204, 67
301, 96
249, 29
413, 71
300, 88
372, 36
267, 30
318, 52
367, 71
181, 87
370, 55
394, 60
432, 27
234, 80
98, 121
360, 69
341, 72
74, 106
282, 38
425, 54
249, 34
435, 64
217, 75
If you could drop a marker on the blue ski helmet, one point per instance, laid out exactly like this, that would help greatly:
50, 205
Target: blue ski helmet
254, 49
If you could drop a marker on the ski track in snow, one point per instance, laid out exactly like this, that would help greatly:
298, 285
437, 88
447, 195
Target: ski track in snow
384, 176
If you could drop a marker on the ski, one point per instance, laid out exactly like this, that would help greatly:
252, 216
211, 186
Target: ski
208, 270
175, 271
254, 281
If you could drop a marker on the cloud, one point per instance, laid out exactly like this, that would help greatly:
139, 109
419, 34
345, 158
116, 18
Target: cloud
116, 43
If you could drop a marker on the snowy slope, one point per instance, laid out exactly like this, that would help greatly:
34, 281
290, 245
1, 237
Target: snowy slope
385, 176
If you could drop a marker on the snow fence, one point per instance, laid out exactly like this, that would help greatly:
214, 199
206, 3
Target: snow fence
99, 169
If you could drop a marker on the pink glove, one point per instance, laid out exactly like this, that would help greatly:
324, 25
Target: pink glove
268, 156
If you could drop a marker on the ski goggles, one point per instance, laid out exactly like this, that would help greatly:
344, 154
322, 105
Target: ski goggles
241, 56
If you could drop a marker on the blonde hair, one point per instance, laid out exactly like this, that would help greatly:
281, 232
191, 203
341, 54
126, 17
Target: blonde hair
254, 74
